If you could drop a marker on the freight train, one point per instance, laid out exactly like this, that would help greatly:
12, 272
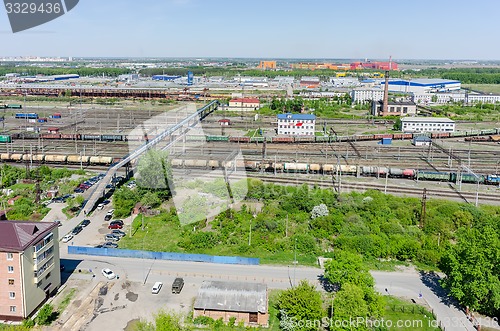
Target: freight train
59, 159
278, 139
331, 169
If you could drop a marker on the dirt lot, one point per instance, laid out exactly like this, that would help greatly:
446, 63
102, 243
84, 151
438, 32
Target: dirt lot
112, 305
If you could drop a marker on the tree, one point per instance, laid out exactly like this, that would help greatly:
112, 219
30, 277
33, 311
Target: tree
347, 267
472, 267
349, 304
301, 303
153, 170
319, 210
397, 124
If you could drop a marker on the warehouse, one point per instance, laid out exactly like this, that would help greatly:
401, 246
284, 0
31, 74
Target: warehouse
422, 85
427, 124
394, 108
296, 124
362, 95
246, 302
244, 104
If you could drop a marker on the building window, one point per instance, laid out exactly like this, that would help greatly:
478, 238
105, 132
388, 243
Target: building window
253, 318
11, 281
10, 269
12, 309
10, 256
12, 295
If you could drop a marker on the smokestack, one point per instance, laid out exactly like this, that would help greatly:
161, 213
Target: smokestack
386, 93
390, 62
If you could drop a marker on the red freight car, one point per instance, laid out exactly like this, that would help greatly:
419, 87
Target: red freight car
239, 139
282, 140
50, 136
70, 136
380, 136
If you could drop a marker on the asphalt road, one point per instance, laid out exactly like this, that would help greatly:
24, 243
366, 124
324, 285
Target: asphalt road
423, 289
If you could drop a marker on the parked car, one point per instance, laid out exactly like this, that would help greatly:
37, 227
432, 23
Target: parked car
119, 233
156, 287
117, 222
85, 223
177, 285
115, 226
109, 244
100, 206
77, 230
108, 217
58, 222
106, 202
67, 238
111, 237
108, 273
78, 190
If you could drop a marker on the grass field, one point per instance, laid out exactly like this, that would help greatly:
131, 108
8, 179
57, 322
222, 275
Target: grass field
485, 88
410, 316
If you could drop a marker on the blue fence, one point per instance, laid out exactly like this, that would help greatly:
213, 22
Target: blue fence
162, 255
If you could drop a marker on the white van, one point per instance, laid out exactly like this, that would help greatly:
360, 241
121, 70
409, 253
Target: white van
156, 287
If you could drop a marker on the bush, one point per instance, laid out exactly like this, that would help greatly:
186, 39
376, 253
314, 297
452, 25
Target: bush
46, 315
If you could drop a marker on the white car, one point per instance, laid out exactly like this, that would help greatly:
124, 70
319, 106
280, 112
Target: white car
67, 238
108, 273
100, 206
156, 287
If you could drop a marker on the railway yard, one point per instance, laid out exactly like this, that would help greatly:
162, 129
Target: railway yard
98, 135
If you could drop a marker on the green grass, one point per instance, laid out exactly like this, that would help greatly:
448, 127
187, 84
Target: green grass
406, 312
65, 302
485, 88
161, 233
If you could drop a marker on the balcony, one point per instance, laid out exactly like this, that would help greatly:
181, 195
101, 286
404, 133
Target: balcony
43, 271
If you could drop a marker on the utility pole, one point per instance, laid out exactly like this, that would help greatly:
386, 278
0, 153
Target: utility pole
423, 211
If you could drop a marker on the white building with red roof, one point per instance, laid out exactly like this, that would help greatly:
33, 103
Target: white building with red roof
244, 104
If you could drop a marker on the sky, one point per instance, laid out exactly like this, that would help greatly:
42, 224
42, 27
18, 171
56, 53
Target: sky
267, 29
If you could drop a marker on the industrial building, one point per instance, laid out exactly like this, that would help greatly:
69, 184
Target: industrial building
427, 124
29, 267
167, 78
244, 104
267, 65
310, 82
296, 124
362, 95
423, 85
394, 108
246, 302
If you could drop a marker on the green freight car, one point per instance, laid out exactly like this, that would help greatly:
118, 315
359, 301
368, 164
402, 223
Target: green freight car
433, 175
468, 178
217, 138
5, 139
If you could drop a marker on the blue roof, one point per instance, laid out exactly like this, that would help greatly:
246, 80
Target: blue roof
299, 117
422, 82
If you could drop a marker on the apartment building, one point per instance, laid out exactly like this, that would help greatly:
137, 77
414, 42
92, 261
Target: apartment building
29, 267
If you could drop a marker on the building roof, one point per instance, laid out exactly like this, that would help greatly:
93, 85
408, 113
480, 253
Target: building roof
16, 236
232, 296
245, 100
298, 117
427, 119
422, 139
423, 82
398, 103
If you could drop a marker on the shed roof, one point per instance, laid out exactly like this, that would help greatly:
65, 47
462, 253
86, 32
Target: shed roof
16, 236
232, 296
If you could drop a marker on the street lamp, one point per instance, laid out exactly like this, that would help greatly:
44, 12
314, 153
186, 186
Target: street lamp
294, 261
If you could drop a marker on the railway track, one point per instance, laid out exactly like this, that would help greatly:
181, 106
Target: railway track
447, 191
